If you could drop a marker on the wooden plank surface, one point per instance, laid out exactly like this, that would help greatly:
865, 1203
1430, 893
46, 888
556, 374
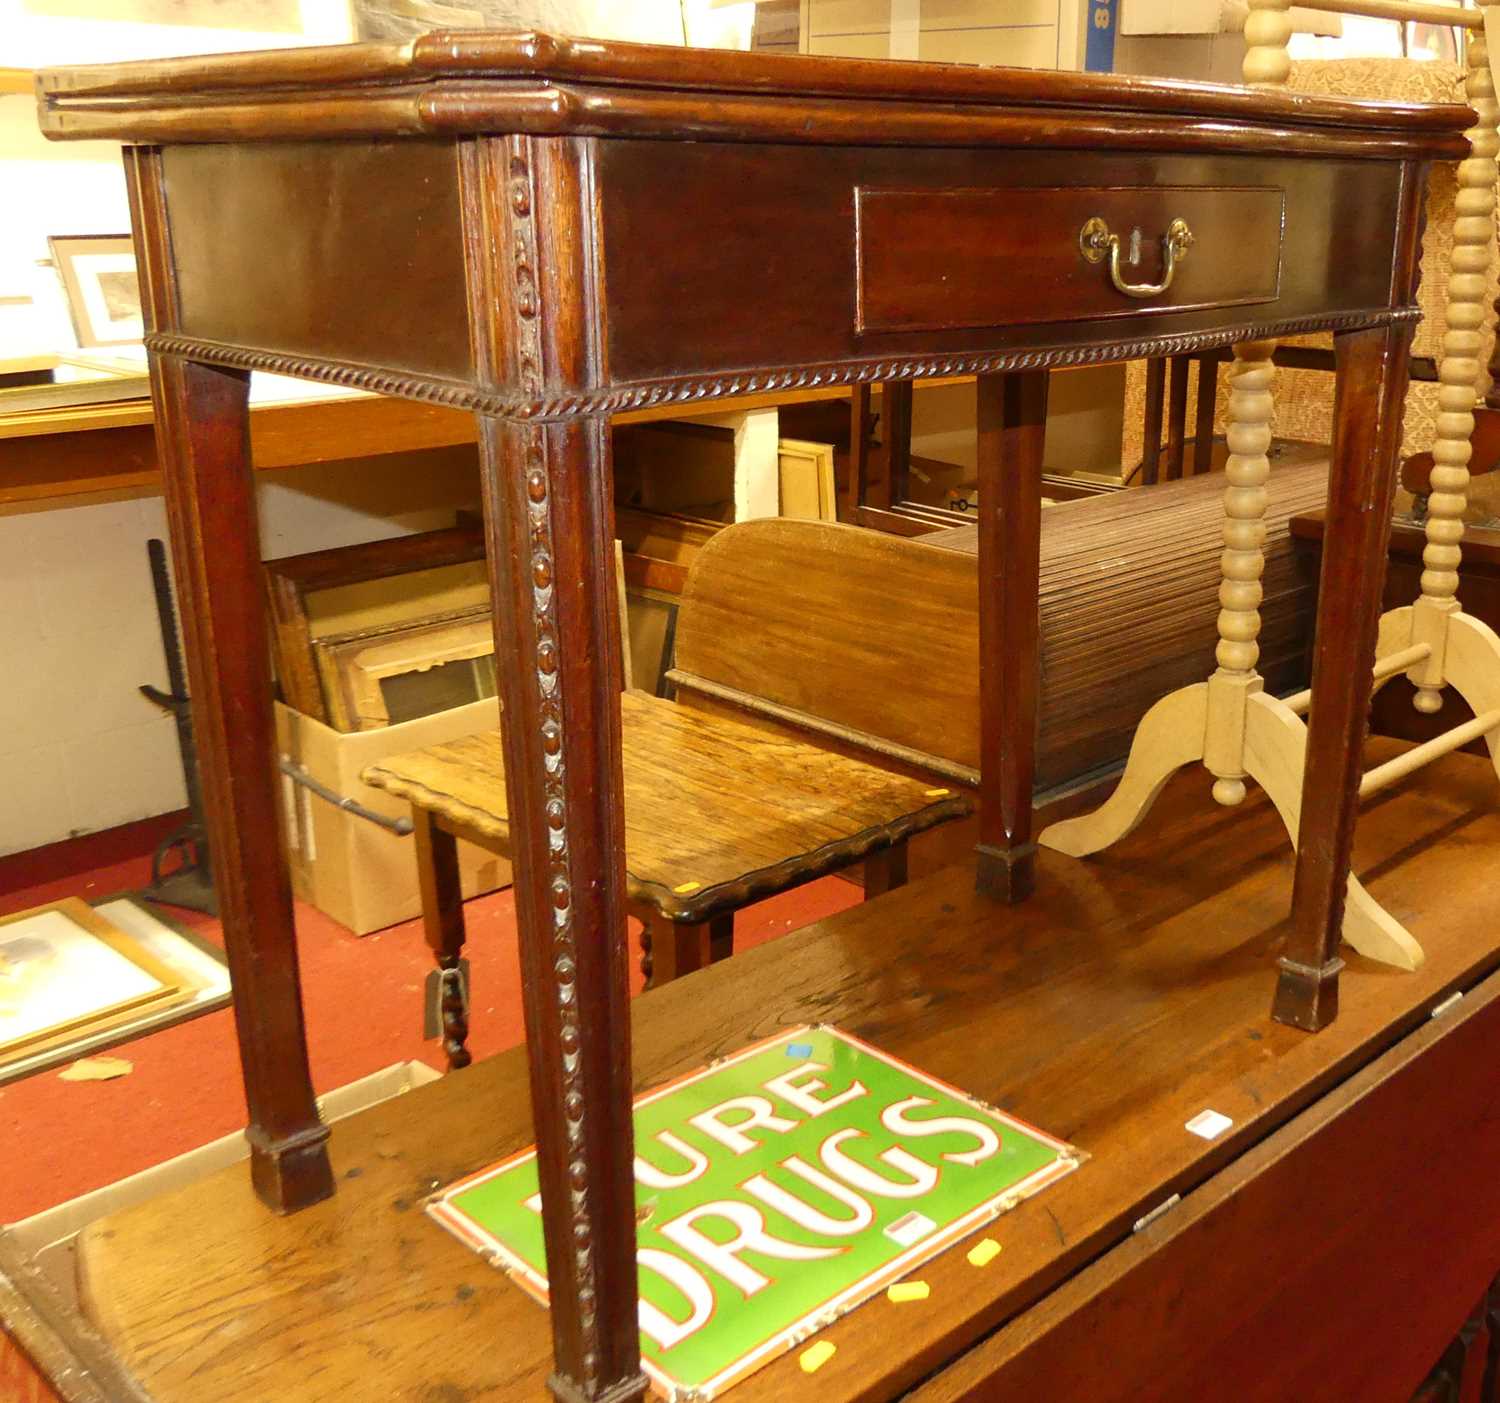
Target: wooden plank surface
1129, 599
726, 810
1377, 1211
1130, 993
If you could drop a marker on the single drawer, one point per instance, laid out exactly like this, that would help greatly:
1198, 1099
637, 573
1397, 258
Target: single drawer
944, 260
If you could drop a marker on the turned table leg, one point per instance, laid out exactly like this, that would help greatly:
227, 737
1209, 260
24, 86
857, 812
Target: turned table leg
443, 925
203, 426
1371, 386
1012, 426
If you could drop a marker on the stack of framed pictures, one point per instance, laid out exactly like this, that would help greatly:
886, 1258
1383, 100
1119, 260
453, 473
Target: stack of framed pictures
74, 980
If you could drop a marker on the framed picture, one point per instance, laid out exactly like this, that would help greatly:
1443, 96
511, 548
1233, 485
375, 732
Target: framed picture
199, 969
65, 968
383, 676
807, 481
350, 589
104, 295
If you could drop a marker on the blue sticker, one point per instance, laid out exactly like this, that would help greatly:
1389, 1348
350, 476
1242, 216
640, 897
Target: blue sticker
799, 1050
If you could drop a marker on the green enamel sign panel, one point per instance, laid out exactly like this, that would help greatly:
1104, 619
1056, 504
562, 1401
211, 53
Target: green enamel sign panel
775, 1190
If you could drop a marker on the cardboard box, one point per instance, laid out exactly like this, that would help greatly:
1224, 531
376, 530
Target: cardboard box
49, 1239
362, 875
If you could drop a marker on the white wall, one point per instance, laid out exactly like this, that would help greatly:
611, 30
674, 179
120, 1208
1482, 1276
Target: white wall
80, 748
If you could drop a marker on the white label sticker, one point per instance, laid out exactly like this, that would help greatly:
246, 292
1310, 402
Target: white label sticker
912, 1228
1209, 1124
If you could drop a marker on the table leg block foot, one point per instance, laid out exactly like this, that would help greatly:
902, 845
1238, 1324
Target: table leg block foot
1008, 874
1306, 997
293, 1174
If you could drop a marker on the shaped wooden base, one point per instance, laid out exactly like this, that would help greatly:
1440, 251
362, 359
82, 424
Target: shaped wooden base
1237, 731
1175, 733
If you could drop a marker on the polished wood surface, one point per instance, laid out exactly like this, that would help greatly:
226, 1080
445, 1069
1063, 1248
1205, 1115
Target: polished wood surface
1390, 1272
52, 455
483, 81
906, 283
1125, 997
581, 299
211, 514
717, 813
1012, 432
1361, 489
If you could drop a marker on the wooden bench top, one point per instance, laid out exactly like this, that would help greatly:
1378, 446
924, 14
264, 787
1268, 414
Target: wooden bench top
717, 813
1129, 995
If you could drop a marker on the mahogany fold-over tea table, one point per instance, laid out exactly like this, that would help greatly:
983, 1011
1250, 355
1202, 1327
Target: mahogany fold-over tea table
545, 232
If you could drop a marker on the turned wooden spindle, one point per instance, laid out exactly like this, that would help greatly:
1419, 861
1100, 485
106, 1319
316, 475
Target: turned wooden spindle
1248, 434
1459, 377
1268, 26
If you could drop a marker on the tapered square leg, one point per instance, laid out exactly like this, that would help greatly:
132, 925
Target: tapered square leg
1371, 389
1012, 429
202, 416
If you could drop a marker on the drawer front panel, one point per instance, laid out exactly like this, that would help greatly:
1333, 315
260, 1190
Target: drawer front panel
938, 260
787, 269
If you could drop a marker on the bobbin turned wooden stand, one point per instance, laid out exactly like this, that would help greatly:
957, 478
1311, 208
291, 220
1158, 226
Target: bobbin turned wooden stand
1230, 723
545, 233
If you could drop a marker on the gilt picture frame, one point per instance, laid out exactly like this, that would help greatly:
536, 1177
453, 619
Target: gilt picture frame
99, 279
65, 968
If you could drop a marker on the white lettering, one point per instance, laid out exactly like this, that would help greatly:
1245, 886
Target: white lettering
687, 1279
750, 1236
922, 1178
759, 1113
648, 1174
804, 1098
894, 1119
803, 1213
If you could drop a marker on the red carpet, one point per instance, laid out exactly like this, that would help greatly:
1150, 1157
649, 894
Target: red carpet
364, 1011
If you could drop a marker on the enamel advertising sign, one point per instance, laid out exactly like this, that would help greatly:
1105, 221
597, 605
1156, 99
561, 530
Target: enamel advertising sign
776, 1190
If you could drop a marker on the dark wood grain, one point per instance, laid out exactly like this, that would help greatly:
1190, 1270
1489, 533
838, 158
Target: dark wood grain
1203, 425
530, 55
1160, 1319
548, 521
895, 440
203, 413
611, 261
1004, 256
1361, 488
717, 813
681, 317
1127, 995
1177, 416
443, 925
223, 199
1012, 431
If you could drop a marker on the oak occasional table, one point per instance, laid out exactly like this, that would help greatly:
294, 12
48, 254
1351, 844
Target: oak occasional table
717, 815
545, 232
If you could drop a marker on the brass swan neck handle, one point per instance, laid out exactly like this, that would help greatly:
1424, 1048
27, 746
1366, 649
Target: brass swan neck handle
1095, 242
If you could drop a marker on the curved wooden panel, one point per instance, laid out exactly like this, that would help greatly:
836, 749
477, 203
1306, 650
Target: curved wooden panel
878, 634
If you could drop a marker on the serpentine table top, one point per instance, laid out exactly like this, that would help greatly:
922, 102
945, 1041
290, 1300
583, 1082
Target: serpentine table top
548, 231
